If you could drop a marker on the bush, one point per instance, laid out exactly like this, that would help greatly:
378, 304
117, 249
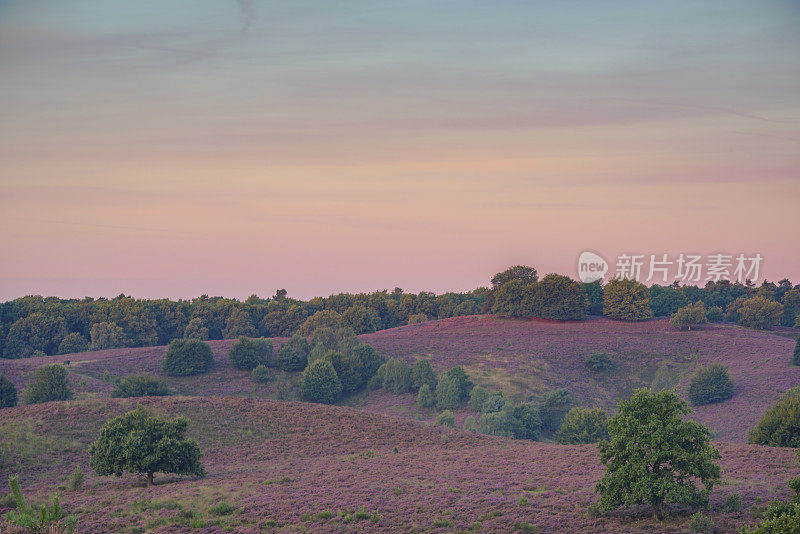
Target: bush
555, 406
555, 297
599, 362
36, 332
76, 480
422, 373
327, 319
448, 393
248, 354
293, 355
107, 335
710, 385
780, 425
470, 425
196, 329
477, 397
186, 357
317, 353
509, 299
8, 392
49, 383
261, 374
137, 442
321, 383
655, 422
326, 337
497, 424
417, 318
528, 421
446, 418
348, 369
494, 402
583, 425
714, 314
238, 324
74, 342
37, 519
701, 524
463, 381
626, 300
361, 319
760, 313
690, 315
369, 358
142, 385
394, 376
425, 397
732, 503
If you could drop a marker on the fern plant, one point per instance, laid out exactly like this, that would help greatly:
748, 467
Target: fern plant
27, 516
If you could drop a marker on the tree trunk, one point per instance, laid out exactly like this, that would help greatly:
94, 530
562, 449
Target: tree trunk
149, 479
658, 511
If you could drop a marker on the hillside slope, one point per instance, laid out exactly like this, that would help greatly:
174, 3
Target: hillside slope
303, 466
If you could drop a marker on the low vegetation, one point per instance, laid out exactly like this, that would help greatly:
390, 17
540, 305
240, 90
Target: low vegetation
142, 385
8, 392
49, 383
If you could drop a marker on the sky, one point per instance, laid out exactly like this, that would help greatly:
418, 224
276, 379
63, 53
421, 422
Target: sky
173, 149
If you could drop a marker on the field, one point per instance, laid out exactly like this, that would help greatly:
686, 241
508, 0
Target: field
297, 466
376, 463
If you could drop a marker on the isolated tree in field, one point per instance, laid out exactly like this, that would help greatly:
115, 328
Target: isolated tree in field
248, 354
583, 425
8, 393
293, 355
186, 357
321, 383
142, 385
422, 373
710, 385
690, 315
656, 457
49, 383
626, 300
138, 442
107, 335
780, 425
760, 313
73, 342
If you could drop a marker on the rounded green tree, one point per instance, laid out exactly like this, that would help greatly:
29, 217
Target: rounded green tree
710, 385
74, 342
690, 315
627, 300
583, 425
780, 425
186, 357
422, 373
49, 383
8, 393
761, 313
293, 355
656, 457
248, 354
425, 397
321, 383
137, 442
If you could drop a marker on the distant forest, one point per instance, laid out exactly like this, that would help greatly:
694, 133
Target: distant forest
36, 325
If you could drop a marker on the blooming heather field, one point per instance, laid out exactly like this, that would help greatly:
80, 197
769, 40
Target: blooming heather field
298, 466
525, 358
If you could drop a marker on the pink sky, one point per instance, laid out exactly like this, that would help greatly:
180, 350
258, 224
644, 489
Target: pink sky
176, 157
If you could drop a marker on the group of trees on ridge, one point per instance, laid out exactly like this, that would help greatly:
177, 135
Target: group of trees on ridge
35, 325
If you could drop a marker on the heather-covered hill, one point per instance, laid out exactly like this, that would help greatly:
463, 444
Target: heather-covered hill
294, 466
524, 358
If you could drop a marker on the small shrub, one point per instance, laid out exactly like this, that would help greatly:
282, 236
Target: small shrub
599, 362
142, 385
710, 385
222, 508
494, 402
690, 315
348, 369
665, 378
293, 355
447, 393
422, 373
248, 354
73, 342
425, 397
36, 519
49, 383
394, 376
527, 421
321, 383
780, 425
446, 418
8, 392
262, 374
497, 424
460, 376
76, 480
732, 503
583, 425
186, 357
477, 397
701, 524
796, 358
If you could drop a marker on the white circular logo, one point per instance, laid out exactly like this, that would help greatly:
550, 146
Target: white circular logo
591, 267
